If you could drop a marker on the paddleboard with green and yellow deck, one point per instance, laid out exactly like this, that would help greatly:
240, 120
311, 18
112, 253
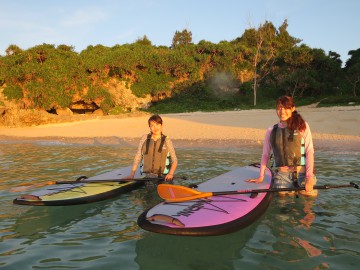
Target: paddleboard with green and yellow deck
83, 190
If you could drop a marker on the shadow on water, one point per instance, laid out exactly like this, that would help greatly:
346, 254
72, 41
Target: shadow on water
156, 251
52, 219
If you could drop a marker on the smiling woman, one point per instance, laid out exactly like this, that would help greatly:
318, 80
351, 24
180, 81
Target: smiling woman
155, 152
284, 113
290, 141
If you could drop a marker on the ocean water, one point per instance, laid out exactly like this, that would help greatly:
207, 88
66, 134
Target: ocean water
294, 233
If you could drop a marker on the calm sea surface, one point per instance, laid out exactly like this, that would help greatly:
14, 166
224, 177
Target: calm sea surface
294, 233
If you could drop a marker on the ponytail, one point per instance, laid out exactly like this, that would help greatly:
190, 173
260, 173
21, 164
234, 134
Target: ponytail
296, 122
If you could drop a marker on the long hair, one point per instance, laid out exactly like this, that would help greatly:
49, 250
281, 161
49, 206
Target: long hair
295, 121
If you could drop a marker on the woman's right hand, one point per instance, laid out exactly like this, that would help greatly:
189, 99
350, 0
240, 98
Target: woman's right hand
255, 180
131, 176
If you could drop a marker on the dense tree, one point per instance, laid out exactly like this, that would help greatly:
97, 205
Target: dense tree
293, 75
181, 38
352, 71
13, 50
47, 77
144, 41
263, 62
266, 43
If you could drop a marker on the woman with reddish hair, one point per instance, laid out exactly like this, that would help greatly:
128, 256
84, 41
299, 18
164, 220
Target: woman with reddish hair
290, 142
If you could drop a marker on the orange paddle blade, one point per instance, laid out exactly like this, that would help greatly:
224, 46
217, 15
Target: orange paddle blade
175, 193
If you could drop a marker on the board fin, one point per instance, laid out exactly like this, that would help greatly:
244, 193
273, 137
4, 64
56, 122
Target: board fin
30, 197
165, 218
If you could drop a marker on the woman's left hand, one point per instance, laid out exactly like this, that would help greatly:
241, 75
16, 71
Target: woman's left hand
309, 184
169, 177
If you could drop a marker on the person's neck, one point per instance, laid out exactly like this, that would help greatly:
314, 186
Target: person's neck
155, 137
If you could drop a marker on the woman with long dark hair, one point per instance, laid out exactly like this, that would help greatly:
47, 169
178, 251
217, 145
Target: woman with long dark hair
290, 142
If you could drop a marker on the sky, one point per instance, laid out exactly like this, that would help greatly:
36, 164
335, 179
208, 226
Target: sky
331, 25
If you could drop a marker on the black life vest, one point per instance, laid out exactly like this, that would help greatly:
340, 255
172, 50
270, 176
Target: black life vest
288, 147
156, 156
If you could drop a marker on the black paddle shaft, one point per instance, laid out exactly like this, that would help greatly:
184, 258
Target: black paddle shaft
353, 185
118, 180
109, 180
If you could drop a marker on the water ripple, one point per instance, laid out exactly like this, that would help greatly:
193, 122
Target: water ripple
321, 233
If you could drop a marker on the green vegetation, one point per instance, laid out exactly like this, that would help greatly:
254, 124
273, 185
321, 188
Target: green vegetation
250, 71
331, 101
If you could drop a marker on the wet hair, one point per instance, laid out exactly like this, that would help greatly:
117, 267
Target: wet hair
155, 118
295, 121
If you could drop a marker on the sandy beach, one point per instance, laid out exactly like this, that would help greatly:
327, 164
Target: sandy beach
339, 126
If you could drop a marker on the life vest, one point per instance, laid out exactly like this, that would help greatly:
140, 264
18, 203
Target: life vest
155, 156
288, 147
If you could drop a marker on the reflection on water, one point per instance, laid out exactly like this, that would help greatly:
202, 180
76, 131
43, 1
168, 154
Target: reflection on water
316, 233
156, 251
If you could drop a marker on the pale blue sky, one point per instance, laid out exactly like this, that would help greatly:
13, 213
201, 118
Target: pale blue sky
327, 24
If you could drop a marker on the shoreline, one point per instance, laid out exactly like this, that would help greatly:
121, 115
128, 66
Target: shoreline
319, 144
331, 127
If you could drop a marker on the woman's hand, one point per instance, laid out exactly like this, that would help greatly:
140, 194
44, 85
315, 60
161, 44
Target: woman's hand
255, 180
130, 176
169, 177
309, 184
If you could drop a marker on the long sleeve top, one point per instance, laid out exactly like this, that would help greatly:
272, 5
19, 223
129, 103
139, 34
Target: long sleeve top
169, 146
309, 150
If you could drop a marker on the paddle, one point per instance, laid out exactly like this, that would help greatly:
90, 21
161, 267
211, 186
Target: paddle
175, 193
24, 188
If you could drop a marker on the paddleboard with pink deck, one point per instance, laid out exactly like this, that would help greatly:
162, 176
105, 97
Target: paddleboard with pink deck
214, 215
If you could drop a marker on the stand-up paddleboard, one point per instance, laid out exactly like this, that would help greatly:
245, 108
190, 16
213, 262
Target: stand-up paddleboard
216, 214
82, 191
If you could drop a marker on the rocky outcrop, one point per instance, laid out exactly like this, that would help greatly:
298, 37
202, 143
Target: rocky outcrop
14, 117
65, 111
14, 114
124, 98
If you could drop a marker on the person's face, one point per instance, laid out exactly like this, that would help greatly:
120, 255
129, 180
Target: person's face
284, 113
155, 128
